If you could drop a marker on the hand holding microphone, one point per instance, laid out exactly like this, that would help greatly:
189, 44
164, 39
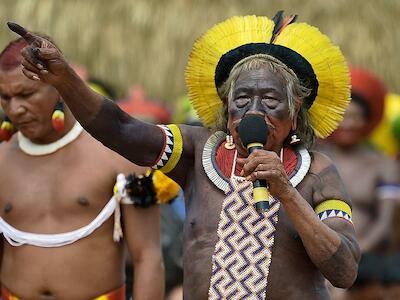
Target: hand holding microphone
253, 132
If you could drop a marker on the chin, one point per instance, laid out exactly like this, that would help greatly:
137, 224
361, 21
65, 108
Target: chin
30, 133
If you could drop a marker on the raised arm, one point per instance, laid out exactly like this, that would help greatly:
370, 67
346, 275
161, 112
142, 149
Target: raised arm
137, 141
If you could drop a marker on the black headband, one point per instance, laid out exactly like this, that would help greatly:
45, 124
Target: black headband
300, 66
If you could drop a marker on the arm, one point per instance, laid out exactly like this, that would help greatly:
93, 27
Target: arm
387, 194
142, 228
330, 244
142, 233
380, 228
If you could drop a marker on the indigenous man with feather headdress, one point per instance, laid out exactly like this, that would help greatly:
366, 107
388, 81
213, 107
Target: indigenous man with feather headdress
293, 79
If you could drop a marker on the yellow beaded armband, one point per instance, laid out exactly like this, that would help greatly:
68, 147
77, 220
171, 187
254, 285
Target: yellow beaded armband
332, 209
172, 151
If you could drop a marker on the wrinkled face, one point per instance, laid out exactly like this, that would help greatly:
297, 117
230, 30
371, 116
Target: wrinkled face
351, 130
29, 105
260, 92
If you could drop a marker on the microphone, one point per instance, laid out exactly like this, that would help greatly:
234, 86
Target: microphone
253, 132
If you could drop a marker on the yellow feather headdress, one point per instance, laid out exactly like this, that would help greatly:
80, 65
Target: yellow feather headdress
303, 48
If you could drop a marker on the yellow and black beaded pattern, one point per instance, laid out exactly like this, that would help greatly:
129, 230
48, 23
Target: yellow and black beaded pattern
334, 209
172, 150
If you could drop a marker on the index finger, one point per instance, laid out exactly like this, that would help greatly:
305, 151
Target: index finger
25, 34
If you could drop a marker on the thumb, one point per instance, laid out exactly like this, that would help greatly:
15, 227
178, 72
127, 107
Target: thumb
241, 161
25, 34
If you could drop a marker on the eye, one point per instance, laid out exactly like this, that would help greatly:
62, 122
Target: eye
270, 102
242, 100
26, 94
5, 97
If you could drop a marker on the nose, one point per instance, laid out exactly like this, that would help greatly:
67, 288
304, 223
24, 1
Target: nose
16, 108
256, 107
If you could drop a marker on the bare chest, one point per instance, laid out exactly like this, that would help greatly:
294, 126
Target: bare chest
52, 190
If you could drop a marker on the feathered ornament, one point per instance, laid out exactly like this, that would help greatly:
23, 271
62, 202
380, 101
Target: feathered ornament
7, 130
166, 189
154, 187
58, 118
280, 23
151, 188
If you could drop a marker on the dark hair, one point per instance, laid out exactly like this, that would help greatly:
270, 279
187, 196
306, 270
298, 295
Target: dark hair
10, 57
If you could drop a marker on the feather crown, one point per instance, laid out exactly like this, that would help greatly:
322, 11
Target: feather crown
317, 62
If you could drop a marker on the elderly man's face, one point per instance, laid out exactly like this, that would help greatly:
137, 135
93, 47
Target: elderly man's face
260, 92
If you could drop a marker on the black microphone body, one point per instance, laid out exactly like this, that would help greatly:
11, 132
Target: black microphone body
253, 132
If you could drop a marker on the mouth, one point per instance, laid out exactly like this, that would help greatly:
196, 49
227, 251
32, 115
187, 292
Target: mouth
24, 123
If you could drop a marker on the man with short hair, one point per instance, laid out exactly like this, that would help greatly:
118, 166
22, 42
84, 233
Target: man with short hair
56, 201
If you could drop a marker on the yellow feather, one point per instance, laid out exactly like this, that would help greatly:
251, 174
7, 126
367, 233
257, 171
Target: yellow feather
207, 52
331, 70
166, 189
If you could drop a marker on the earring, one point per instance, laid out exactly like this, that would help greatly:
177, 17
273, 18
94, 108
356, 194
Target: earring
7, 129
57, 119
229, 142
294, 139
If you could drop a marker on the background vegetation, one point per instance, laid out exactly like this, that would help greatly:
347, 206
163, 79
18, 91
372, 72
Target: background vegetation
147, 42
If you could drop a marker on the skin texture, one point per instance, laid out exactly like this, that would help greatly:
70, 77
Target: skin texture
61, 192
306, 249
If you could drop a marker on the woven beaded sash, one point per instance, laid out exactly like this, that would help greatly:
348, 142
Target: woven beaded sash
242, 255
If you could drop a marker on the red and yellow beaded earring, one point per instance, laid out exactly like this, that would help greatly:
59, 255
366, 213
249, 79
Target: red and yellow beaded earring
7, 129
57, 119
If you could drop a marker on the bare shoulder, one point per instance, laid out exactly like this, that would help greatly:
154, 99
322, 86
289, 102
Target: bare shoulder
122, 165
328, 184
194, 134
319, 162
194, 138
7, 148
